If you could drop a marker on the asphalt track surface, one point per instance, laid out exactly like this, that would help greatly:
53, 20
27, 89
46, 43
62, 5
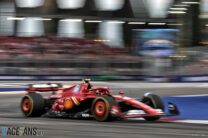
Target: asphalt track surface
10, 115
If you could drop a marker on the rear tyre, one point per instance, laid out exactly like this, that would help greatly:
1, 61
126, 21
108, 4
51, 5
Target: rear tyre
32, 105
101, 108
155, 102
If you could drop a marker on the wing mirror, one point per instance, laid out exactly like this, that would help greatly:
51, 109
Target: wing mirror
121, 93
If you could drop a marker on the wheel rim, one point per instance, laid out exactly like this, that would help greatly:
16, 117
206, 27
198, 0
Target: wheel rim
26, 105
100, 108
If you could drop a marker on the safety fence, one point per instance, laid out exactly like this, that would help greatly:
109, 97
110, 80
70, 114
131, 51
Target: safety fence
68, 77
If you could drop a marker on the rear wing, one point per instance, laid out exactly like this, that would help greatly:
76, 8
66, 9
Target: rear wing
45, 87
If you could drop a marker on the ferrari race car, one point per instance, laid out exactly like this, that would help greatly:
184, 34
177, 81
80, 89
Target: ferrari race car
86, 101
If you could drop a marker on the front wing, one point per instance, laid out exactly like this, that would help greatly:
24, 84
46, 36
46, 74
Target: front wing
172, 111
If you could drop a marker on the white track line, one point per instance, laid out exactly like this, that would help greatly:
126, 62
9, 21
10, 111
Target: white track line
178, 121
13, 92
191, 121
195, 95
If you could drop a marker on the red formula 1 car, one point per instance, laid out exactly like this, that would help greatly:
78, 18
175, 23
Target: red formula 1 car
84, 100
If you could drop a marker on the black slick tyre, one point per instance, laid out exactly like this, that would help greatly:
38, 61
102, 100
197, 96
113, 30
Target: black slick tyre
32, 105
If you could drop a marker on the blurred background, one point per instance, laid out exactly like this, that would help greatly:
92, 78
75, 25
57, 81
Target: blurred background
104, 39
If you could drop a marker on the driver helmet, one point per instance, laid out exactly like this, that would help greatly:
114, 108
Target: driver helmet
88, 82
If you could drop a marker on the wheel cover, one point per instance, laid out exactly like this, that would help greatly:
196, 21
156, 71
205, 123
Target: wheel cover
26, 105
100, 108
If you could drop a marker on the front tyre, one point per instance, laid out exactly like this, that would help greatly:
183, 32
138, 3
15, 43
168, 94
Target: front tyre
155, 102
101, 108
32, 105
